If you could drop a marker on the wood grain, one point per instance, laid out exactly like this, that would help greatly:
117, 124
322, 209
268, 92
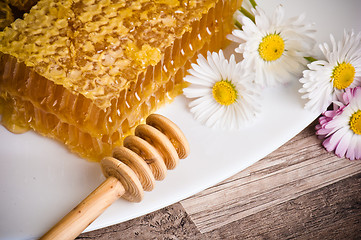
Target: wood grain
331, 212
168, 223
295, 169
299, 191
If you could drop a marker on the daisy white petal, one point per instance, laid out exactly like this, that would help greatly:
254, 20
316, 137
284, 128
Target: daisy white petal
196, 91
200, 80
274, 47
340, 71
230, 101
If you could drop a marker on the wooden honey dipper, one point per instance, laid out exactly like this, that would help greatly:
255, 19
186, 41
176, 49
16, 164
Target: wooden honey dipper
134, 167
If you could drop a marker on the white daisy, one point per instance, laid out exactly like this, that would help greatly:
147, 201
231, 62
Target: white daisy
341, 128
326, 80
223, 95
274, 47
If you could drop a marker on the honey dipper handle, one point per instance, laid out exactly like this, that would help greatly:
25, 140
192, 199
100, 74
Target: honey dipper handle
87, 211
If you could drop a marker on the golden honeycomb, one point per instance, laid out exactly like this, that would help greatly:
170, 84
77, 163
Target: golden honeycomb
12, 9
23, 5
86, 72
6, 15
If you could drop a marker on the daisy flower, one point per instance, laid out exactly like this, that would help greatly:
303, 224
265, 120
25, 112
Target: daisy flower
326, 80
274, 47
223, 95
341, 128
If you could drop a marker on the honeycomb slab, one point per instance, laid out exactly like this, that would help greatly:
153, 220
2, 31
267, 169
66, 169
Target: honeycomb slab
86, 72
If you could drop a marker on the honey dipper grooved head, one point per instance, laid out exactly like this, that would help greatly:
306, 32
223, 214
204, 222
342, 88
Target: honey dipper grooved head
149, 154
172, 131
160, 142
137, 164
127, 177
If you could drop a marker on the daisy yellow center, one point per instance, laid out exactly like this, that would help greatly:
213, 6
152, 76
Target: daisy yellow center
271, 48
343, 75
355, 122
224, 92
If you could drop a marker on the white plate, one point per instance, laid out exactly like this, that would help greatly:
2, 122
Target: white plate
40, 181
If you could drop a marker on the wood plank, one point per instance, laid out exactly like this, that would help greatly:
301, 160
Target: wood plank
297, 168
168, 223
331, 212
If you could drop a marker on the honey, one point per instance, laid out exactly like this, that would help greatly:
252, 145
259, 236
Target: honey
22, 5
6, 15
107, 77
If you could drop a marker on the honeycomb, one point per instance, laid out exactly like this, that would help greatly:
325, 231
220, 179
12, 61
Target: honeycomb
12, 9
6, 15
23, 5
102, 66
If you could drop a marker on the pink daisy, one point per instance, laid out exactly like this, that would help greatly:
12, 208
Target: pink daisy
341, 128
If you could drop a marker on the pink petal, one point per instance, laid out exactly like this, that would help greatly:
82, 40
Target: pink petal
328, 145
351, 151
343, 144
334, 139
330, 114
358, 149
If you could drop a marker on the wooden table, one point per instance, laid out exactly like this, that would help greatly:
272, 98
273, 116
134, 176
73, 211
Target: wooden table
299, 191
